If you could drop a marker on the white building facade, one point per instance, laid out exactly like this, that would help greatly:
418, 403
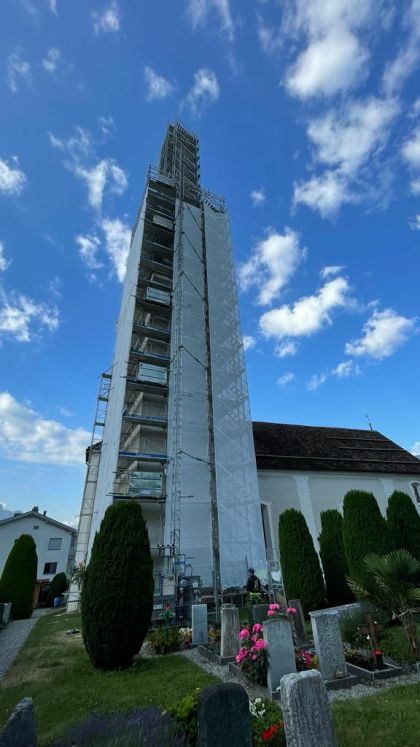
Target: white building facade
55, 542
173, 428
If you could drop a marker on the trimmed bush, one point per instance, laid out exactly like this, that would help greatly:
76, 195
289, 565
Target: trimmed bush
301, 569
58, 586
117, 593
17, 583
403, 523
333, 558
365, 530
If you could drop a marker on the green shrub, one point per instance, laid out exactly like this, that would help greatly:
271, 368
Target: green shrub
117, 593
394, 643
301, 570
403, 523
165, 641
185, 712
59, 584
333, 558
365, 530
351, 621
17, 583
264, 715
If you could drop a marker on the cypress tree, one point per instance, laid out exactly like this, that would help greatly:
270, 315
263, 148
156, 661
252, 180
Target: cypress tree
364, 529
301, 570
403, 523
117, 593
58, 586
17, 583
333, 558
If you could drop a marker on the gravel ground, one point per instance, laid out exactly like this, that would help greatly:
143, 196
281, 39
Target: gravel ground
12, 638
357, 691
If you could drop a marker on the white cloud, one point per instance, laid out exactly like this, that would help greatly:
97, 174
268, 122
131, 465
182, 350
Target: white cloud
315, 381
107, 125
411, 150
383, 333
334, 63
415, 186
346, 369
286, 349
12, 179
28, 437
270, 38
200, 10
88, 249
346, 138
286, 379
53, 6
325, 194
330, 270
204, 91
308, 315
18, 70
22, 319
52, 61
257, 197
415, 449
157, 86
272, 263
406, 61
106, 173
79, 145
414, 223
249, 342
4, 264
117, 237
55, 286
107, 20
65, 412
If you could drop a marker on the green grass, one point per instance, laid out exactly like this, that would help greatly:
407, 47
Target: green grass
391, 719
55, 671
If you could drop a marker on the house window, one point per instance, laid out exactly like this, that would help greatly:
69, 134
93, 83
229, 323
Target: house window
54, 543
416, 490
50, 568
36, 526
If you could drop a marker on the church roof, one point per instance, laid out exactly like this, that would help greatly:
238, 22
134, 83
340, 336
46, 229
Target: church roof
306, 447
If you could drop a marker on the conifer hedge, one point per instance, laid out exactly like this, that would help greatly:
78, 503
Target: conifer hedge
403, 523
333, 558
17, 583
301, 570
117, 593
364, 529
58, 586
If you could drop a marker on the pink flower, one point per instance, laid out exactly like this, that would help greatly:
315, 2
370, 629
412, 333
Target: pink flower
257, 628
270, 613
274, 606
253, 657
244, 633
291, 610
260, 644
241, 655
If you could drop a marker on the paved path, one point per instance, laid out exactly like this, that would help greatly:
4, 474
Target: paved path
12, 638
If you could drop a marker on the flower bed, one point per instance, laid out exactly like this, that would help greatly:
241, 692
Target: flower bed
367, 666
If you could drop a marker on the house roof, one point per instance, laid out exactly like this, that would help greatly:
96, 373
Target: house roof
306, 447
39, 517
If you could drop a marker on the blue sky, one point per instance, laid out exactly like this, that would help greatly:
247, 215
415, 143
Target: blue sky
308, 115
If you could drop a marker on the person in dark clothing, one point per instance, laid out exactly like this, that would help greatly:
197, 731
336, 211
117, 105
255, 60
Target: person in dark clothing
253, 584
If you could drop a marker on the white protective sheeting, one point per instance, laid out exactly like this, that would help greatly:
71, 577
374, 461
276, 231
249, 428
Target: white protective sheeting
241, 537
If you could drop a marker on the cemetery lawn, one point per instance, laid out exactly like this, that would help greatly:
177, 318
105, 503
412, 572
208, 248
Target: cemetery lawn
54, 670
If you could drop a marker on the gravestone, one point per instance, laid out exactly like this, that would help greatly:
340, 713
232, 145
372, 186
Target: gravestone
223, 717
328, 644
259, 613
229, 644
20, 730
281, 650
5, 610
306, 711
200, 632
298, 622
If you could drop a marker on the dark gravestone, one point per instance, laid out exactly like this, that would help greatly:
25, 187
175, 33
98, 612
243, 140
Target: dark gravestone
298, 622
20, 730
259, 613
223, 717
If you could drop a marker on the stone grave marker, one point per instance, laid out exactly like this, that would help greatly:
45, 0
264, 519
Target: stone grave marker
281, 650
20, 730
328, 644
200, 632
229, 644
298, 623
259, 613
5, 610
223, 717
306, 711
